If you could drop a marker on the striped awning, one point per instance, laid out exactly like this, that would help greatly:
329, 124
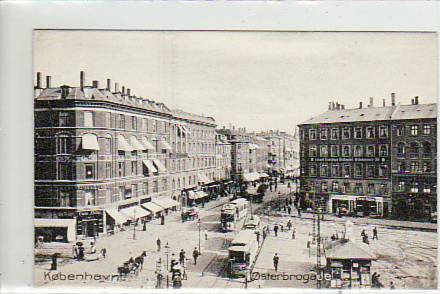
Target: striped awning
154, 208
134, 142
159, 165
123, 145
118, 217
149, 164
147, 144
165, 145
135, 212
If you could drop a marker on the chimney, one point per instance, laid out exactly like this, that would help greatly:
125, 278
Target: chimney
123, 90
337, 105
116, 87
360, 105
371, 102
48, 84
82, 77
128, 92
412, 101
95, 84
38, 80
416, 100
393, 99
108, 84
342, 106
383, 103
329, 106
333, 105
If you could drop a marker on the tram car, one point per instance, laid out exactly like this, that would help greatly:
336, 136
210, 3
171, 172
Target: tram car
232, 212
242, 253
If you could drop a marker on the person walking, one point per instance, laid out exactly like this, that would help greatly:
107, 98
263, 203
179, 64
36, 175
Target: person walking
54, 265
392, 287
103, 252
299, 211
276, 259
289, 210
258, 237
363, 233
264, 234
289, 225
293, 233
275, 229
74, 251
375, 234
182, 257
173, 262
158, 244
196, 254
92, 248
206, 234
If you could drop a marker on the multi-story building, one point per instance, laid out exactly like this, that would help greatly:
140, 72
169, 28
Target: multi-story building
414, 160
223, 158
262, 153
348, 156
105, 157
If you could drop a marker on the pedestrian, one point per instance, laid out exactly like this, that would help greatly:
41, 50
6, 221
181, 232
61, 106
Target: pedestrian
206, 234
375, 234
392, 287
162, 219
158, 244
282, 227
74, 251
289, 209
145, 226
289, 225
92, 248
276, 186
276, 259
182, 257
365, 239
258, 237
54, 265
299, 211
363, 233
293, 233
80, 252
264, 234
103, 252
196, 254
173, 262
275, 229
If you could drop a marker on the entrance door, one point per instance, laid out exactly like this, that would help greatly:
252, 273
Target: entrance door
89, 228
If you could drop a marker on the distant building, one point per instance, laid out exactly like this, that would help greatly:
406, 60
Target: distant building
370, 160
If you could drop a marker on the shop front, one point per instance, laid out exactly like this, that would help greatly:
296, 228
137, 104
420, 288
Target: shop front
356, 205
90, 223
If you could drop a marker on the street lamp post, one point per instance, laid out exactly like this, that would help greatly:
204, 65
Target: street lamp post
318, 249
167, 252
199, 225
134, 223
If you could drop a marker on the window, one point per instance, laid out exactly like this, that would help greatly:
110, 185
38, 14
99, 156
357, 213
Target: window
370, 189
144, 125
346, 188
383, 170
370, 132
358, 151
145, 188
335, 170
358, 133
358, 189
324, 170
335, 187
346, 170
400, 148
156, 186
383, 150
359, 170
108, 169
426, 148
108, 119
121, 169
346, 133
324, 151
401, 167
313, 169
89, 119
399, 131
414, 166
383, 131
63, 119
334, 150
324, 187
371, 171
383, 189
134, 190
65, 198
89, 197
414, 187
427, 167
335, 134
414, 130
414, 146
64, 171
90, 171
346, 151
370, 151
323, 134
426, 129
426, 188
134, 123
108, 145
313, 151
63, 144
401, 187
165, 184
122, 121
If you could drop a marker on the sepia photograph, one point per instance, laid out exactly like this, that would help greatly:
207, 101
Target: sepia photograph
235, 159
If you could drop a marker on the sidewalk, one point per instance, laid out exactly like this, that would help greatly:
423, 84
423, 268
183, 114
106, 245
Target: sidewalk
372, 221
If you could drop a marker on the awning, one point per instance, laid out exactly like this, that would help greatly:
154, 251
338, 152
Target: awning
147, 144
154, 208
117, 216
247, 177
192, 195
123, 144
135, 212
89, 142
166, 202
203, 178
264, 175
201, 194
165, 146
159, 165
134, 142
149, 164
53, 222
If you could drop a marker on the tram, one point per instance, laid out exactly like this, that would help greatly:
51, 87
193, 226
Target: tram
253, 223
242, 253
232, 212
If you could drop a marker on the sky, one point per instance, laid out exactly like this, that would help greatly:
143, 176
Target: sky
256, 80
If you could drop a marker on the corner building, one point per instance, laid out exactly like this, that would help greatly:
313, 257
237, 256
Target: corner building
349, 159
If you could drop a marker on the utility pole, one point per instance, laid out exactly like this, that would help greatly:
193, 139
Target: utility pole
134, 223
318, 249
199, 225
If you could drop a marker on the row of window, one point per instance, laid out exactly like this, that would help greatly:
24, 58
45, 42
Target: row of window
348, 150
370, 132
414, 167
414, 148
413, 187
346, 187
348, 170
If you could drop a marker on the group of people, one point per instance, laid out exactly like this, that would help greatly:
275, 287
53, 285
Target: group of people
364, 236
278, 227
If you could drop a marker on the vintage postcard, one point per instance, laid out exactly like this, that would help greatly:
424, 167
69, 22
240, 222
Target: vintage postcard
235, 159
